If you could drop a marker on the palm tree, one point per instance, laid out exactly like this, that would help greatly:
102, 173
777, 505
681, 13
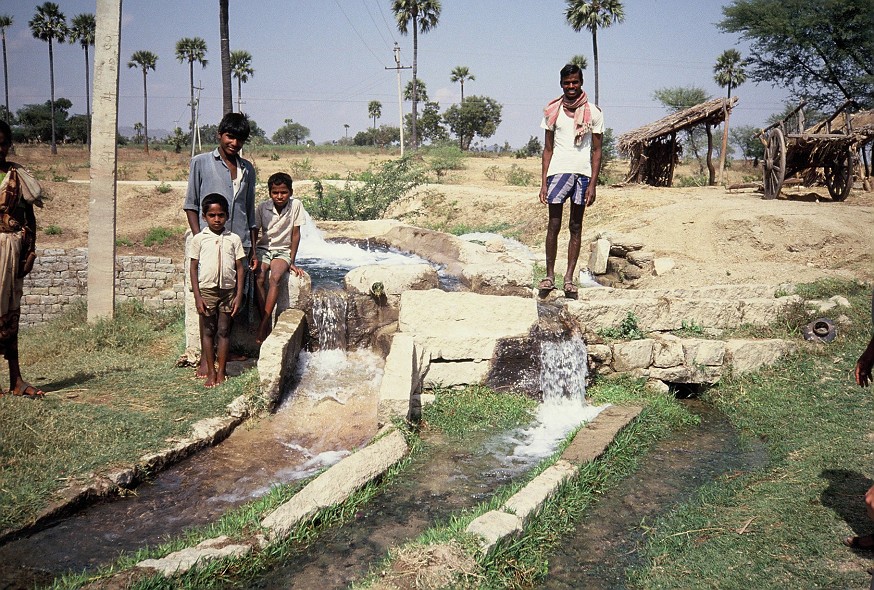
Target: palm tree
49, 24
225, 50
728, 73
594, 15
5, 22
460, 74
580, 61
191, 49
374, 109
241, 67
424, 15
83, 29
729, 70
145, 60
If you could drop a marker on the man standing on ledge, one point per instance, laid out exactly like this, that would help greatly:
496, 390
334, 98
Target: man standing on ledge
571, 163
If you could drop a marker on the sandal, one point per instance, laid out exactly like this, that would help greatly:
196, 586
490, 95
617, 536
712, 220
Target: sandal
546, 284
570, 288
863, 542
25, 389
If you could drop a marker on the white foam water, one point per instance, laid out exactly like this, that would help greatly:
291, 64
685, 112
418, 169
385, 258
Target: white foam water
564, 407
318, 252
335, 374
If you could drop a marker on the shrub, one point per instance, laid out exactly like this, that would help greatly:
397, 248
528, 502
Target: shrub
163, 188
379, 188
301, 169
159, 235
516, 176
627, 329
491, 172
53, 230
444, 158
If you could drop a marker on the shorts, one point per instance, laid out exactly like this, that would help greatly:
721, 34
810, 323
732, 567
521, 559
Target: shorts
562, 186
217, 300
267, 256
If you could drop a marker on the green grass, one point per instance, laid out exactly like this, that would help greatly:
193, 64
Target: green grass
497, 227
780, 527
522, 562
53, 230
156, 236
113, 394
477, 409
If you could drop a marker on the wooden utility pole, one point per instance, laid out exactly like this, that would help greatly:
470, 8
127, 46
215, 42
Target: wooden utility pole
104, 159
398, 67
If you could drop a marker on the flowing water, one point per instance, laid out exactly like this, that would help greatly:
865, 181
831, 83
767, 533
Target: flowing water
332, 411
610, 537
328, 262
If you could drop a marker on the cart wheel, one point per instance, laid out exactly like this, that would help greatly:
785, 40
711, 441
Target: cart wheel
839, 176
774, 164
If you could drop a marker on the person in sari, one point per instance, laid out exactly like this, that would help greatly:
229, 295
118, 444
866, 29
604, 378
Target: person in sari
19, 192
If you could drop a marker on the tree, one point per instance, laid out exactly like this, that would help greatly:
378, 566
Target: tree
145, 60
82, 30
460, 74
5, 22
477, 115
290, 133
746, 138
594, 15
431, 123
819, 49
382, 136
241, 67
191, 49
49, 24
581, 61
39, 122
138, 132
421, 91
423, 14
77, 129
729, 70
225, 51
374, 109
680, 98
728, 73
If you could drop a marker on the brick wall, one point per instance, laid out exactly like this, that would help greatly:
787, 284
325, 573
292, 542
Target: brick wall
60, 277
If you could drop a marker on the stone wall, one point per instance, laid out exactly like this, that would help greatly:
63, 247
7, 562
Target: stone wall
60, 278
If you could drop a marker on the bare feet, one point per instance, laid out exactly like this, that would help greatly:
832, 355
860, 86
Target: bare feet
263, 330
214, 381
202, 371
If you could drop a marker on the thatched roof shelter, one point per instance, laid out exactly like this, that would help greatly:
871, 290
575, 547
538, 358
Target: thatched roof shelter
654, 149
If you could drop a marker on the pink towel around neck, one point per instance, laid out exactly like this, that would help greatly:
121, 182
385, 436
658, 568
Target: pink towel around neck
582, 116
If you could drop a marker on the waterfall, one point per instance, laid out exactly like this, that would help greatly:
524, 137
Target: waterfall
329, 317
563, 368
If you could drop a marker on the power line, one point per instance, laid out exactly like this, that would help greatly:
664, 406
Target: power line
376, 26
363, 42
388, 27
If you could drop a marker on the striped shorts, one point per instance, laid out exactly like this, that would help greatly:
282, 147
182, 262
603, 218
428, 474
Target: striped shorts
566, 185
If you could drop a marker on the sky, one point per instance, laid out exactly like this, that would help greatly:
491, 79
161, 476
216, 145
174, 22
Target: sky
321, 62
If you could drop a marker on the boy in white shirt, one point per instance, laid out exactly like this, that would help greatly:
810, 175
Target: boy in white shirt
216, 269
277, 225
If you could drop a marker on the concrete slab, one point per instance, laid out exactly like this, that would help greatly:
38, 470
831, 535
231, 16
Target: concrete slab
527, 502
181, 561
337, 483
494, 526
591, 441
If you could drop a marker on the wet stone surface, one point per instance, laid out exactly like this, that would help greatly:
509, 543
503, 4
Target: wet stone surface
609, 538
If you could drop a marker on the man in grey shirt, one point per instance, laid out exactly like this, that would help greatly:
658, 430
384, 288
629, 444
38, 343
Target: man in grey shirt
224, 172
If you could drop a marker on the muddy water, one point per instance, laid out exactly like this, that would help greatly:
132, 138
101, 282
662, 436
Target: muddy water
332, 412
445, 478
610, 537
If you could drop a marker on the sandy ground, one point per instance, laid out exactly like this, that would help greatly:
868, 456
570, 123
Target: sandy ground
714, 235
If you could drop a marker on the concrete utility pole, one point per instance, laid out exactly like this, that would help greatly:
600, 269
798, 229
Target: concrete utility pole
104, 159
398, 67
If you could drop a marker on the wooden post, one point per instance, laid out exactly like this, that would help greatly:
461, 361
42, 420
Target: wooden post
104, 157
727, 110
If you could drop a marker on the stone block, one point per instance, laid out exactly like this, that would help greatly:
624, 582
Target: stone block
599, 353
662, 266
598, 257
667, 351
463, 326
337, 483
278, 355
698, 351
527, 502
591, 442
394, 279
450, 373
634, 354
749, 355
494, 526
640, 258
401, 381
